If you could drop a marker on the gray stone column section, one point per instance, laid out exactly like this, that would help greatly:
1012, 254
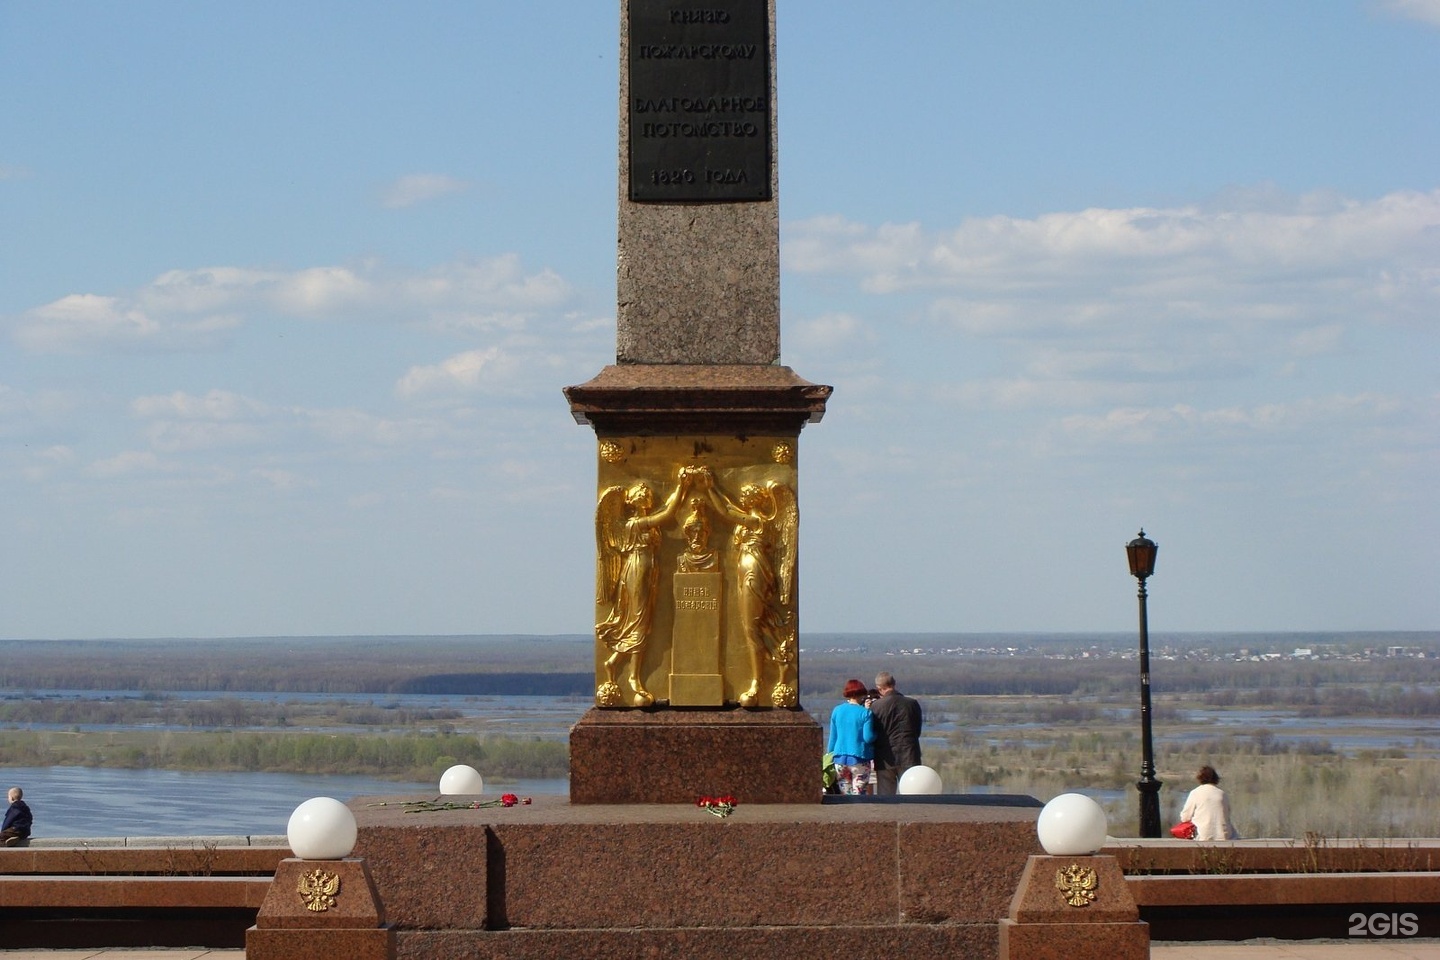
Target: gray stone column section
698, 283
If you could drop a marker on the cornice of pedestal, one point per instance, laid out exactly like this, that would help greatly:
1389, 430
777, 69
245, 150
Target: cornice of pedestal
689, 398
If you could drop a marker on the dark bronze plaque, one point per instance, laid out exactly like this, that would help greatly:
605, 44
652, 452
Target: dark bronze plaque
699, 101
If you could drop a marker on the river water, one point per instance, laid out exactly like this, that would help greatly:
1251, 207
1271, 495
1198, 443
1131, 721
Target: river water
99, 802
109, 802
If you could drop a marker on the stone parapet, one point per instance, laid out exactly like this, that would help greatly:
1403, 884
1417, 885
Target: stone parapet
184, 857
1275, 855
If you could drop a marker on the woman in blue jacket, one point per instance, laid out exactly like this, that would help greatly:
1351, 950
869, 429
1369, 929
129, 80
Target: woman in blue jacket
852, 739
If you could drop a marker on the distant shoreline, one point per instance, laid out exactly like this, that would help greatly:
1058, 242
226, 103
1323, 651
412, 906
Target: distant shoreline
1044, 636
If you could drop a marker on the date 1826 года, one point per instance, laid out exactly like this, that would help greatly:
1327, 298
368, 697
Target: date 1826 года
663, 178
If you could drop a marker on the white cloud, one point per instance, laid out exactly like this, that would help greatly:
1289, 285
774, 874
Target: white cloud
126, 463
1318, 340
85, 317
313, 292
183, 308
215, 405
1194, 428
828, 331
40, 465
281, 479
493, 294
82, 321
22, 405
1203, 291
321, 291
184, 422
1140, 252
416, 188
1425, 11
1023, 393
464, 372
170, 436
13, 173
360, 431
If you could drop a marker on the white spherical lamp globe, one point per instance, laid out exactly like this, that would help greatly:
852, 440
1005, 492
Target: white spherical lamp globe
321, 829
1071, 825
461, 779
919, 780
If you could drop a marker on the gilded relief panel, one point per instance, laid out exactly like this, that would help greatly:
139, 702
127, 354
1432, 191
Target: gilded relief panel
695, 594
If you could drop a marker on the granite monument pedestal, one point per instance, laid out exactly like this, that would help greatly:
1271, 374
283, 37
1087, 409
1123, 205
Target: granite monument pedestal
928, 878
674, 755
677, 756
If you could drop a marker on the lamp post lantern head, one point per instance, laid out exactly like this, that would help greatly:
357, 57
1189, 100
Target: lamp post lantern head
1141, 552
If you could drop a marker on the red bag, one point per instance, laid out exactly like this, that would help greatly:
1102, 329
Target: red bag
1184, 830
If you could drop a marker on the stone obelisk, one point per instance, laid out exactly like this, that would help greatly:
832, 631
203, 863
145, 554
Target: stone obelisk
697, 427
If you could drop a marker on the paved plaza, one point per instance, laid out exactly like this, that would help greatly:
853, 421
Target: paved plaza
1243, 950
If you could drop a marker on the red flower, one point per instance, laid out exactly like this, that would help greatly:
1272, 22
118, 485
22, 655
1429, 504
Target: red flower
431, 806
719, 806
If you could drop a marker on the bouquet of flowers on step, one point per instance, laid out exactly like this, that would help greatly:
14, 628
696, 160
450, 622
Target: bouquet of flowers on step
717, 806
431, 806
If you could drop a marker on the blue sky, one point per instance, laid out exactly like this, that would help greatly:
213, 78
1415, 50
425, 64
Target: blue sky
288, 293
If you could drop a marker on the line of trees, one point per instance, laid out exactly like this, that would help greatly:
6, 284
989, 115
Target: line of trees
229, 712
403, 757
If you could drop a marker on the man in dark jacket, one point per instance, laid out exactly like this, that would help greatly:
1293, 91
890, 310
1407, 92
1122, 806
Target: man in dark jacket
16, 825
897, 741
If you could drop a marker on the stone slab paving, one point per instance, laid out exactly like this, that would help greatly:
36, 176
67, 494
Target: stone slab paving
1246, 950
136, 954
1415, 949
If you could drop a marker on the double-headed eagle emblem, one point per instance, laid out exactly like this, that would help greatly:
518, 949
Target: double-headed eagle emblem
318, 890
1077, 884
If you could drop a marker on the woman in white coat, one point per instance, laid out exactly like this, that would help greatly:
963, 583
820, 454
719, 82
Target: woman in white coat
1208, 808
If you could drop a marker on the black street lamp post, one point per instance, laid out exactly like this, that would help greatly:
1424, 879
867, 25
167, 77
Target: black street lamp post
1141, 552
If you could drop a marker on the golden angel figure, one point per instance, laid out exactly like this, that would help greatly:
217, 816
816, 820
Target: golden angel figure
766, 543
627, 534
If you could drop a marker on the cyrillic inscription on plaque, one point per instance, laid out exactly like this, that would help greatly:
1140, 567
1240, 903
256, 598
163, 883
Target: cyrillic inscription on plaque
699, 101
695, 669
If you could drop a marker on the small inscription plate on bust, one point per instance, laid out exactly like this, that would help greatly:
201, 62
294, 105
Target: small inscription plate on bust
699, 101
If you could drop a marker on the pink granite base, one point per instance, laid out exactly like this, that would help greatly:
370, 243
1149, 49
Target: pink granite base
1046, 924
791, 943
350, 925
376, 944
559, 879
354, 904
757, 756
